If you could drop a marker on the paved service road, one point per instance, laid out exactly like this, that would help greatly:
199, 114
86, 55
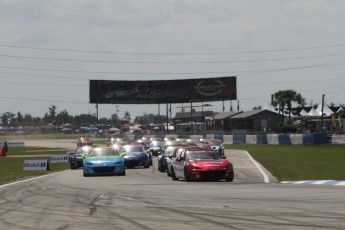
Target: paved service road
148, 199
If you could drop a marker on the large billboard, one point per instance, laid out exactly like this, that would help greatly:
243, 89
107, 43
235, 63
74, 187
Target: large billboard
163, 91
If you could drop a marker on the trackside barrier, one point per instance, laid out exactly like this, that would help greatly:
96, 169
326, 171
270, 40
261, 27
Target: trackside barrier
308, 139
296, 139
272, 139
320, 138
210, 136
219, 137
183, 136
251, 139
13, 143
284, 139
261, 139
239, 139
227, 139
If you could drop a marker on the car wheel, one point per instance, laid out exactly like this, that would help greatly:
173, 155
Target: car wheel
73, 166
168, 173
147, 164
124, 173
230, 178
160, 168
173, 176
85, 175
186, 175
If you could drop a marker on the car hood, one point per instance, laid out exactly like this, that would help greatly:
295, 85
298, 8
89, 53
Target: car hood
210, 162
103, 159
136, 156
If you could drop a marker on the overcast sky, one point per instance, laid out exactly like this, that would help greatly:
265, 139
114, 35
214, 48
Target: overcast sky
49, 50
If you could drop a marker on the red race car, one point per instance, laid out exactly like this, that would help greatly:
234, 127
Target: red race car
84, 142
193, 164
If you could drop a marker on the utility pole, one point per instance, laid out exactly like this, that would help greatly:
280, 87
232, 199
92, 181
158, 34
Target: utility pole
97, 115
167, 127
191, 118
323, 100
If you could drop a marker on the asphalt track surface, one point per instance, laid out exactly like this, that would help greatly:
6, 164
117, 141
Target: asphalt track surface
148, 199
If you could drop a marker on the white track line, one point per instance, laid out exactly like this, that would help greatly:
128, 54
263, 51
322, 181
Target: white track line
266, 179
35, 178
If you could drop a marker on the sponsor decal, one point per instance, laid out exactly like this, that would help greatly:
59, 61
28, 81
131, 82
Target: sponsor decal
59, 158
210, 87
36, 165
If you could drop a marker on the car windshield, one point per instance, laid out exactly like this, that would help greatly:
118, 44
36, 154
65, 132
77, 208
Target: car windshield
202, 156
214, 142
102, 152
130, 149
204, 145
155, 144
82, 150
169, 151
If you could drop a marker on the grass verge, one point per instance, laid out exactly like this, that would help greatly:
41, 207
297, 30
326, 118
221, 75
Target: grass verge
11, 168
299, 162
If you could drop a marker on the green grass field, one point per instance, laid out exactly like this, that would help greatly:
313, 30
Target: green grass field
286, 162
300, 162
11, 168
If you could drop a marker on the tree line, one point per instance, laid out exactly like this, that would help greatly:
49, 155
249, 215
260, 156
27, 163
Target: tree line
53, 117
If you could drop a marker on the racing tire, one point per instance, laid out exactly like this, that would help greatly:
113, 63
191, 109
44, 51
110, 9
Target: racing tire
173, 176
231, 178
147, 164
160, 168
186, 175
73, 167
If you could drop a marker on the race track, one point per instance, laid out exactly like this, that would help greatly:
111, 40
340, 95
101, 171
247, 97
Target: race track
148, 199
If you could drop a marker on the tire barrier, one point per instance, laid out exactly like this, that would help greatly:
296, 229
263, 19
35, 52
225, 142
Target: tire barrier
272, 139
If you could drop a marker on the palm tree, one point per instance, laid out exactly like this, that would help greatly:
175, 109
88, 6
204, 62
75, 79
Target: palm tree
285, 98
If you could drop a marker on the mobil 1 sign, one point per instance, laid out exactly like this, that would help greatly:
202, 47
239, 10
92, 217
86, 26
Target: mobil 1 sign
59, 158
36, 165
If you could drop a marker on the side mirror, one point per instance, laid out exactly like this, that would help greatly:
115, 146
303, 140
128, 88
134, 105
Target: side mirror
223, 157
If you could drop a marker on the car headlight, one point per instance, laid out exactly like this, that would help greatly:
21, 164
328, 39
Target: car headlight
118, 163
228, 166
196, 167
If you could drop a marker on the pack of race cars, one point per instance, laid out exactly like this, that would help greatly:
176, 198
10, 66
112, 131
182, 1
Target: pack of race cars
194, 159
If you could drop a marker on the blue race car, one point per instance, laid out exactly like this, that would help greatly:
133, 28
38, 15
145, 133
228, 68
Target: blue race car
135, 155
103, 161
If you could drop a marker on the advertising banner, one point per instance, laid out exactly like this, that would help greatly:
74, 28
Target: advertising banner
36, 165
59, 158
164, 91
